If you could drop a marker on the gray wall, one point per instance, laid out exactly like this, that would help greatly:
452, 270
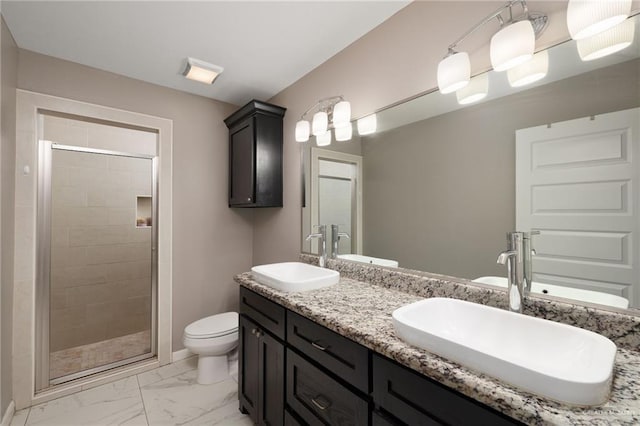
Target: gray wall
439, 194
9, 63
211, 242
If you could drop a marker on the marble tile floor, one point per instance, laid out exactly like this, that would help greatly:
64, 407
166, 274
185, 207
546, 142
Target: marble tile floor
169, 395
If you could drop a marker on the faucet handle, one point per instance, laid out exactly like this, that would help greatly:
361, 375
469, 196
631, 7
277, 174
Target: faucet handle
343, 234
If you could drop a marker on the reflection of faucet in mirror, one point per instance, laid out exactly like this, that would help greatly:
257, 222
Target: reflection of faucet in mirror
529, 252
513, 258
322, 236
335, 240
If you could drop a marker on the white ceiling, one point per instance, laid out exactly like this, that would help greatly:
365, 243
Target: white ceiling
264, 46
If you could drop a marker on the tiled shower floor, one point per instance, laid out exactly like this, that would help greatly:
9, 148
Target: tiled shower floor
80, 358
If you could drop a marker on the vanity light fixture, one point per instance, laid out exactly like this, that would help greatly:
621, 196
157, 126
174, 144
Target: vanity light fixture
607, 42
324, 139
530, 71
454, 72
476, 90
202, 71
367, 125
329, 113
586, 18
344, 133
512, 45
320, 123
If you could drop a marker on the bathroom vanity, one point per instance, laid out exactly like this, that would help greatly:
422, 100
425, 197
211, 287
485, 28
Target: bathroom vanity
332, 356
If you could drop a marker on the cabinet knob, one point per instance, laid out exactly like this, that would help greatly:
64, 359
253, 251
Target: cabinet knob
258, 334
254, 330
249, 199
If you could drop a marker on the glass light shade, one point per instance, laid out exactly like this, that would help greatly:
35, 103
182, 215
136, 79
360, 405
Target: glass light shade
533, 70
367, 125
320, 123
586, 18
343, 133
324, 139
202, 71
341, 114
608, 42
302, 131
454, 72
476, 90
512, 45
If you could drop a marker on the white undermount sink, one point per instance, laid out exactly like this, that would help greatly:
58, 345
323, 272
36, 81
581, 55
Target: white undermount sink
294, 276
549, 359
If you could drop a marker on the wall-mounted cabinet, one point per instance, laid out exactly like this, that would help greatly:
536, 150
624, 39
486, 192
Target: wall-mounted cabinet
255, 155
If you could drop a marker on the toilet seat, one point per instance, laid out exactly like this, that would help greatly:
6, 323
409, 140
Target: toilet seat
213, 326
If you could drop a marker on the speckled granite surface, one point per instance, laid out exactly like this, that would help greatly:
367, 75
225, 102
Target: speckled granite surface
362, 311
620, 327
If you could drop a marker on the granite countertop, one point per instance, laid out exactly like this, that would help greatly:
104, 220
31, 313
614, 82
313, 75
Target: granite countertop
362, 312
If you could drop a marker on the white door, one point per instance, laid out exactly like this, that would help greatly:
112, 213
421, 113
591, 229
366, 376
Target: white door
577, 182
336, 196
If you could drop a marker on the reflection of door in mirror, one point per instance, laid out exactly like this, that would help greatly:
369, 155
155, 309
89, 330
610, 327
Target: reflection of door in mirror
576, 182
336, 197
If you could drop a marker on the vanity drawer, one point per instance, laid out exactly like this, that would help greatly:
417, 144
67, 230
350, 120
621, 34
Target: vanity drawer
268, 314
343, 357
318, 399
415, 399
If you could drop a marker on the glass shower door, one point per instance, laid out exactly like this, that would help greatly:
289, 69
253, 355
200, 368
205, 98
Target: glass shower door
100, 306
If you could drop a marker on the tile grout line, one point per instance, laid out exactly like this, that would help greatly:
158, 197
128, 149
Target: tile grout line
26, 419
144, 407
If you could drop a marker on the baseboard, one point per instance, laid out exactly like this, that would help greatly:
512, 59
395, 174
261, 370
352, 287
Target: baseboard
181, 354
8, 415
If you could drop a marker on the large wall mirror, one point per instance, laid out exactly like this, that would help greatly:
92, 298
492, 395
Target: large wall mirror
439, 185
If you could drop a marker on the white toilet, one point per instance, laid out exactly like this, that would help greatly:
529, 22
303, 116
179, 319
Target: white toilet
212, 338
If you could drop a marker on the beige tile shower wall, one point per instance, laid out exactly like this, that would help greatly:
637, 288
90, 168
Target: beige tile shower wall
100, 261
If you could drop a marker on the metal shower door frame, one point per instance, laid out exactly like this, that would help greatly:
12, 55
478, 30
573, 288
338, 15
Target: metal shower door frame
43, 271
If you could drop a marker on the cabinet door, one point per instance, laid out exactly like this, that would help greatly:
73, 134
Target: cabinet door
242, 164
248, 364
271, 394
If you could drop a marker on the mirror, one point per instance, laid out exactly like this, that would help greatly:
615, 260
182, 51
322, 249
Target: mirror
439, 193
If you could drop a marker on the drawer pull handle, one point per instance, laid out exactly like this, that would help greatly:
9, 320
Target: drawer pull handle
321, 402
254, 330
319, 347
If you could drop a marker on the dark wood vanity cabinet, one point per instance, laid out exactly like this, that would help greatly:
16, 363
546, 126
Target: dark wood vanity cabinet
297, 372
255, 155
407, 397
261, 359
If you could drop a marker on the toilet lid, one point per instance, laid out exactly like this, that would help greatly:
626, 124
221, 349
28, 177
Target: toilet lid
213, 326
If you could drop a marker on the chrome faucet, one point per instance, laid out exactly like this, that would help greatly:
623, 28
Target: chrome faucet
322, 236
335, 240
514, 259
529, 252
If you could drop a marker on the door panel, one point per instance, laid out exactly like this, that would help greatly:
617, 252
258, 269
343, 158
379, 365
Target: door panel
577, 183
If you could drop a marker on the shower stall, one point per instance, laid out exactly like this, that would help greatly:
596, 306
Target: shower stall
96, 292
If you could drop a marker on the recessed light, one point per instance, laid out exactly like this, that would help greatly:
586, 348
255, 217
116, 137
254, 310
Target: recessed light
202, 71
